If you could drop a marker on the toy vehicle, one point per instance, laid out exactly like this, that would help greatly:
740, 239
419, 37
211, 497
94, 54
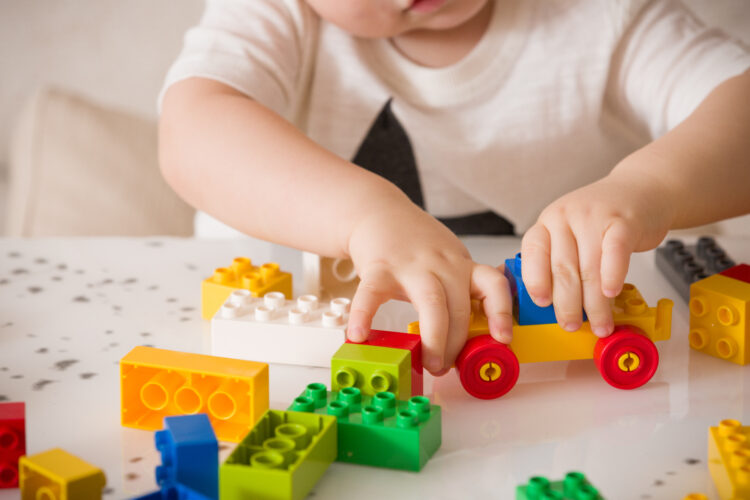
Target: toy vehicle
626, 359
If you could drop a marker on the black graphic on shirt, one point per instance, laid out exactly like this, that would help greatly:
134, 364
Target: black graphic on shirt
386, 150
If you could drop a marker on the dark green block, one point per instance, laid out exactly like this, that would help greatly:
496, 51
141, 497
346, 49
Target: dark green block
575, 486
377, 430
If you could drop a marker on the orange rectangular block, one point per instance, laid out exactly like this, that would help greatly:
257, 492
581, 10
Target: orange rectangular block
157, 383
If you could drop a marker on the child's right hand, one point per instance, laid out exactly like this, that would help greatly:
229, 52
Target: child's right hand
403, 253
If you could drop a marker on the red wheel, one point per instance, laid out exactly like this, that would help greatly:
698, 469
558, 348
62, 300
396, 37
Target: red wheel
626, 359
488, 369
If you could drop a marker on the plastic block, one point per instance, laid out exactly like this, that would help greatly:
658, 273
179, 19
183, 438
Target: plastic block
526, 312
157, 383
398, 340
719, 312
12, 442
575, 486
56, 474
282, 458
683, 265
739, 272
378, 430
302, 332
729, 459
372, 369
328, 277
189, 454
175, 492
258, 280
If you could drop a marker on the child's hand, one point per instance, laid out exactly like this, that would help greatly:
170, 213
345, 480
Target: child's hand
405, 254
579, 250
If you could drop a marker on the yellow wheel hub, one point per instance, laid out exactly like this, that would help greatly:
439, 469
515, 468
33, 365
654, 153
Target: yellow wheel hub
490, 371
629, 362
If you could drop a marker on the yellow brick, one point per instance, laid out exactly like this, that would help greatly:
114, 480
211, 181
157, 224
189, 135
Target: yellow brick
719, 308
58, 474
729, 459
259, 280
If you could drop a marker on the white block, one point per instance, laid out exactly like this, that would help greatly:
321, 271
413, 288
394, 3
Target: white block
272, 329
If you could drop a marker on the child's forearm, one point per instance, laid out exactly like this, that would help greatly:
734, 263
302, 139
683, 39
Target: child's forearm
240, 162
703, 165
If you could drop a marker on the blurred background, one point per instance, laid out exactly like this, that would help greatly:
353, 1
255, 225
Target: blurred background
78, 94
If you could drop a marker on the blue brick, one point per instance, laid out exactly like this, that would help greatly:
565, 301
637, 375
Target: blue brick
189, 455
176, 492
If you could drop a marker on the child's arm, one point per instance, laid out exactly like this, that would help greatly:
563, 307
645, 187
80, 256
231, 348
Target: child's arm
240, 162
579, 249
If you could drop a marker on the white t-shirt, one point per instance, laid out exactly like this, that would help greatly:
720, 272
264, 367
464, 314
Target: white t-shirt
551, 98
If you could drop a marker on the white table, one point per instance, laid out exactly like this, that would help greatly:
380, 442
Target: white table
71, 308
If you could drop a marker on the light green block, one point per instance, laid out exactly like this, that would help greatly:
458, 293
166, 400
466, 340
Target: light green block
372, 369
281, 458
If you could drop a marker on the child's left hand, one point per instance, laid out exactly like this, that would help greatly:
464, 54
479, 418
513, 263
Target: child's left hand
578, 251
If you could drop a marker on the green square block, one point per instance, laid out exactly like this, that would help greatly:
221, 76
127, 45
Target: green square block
378, 430
282, 457
372, 369
575, 486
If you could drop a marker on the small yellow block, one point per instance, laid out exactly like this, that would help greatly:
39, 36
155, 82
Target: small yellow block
259, 280
56, 474
729, 459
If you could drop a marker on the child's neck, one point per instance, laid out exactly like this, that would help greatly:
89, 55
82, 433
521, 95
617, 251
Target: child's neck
439, 48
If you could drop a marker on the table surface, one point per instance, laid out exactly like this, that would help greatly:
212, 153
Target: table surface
71, 308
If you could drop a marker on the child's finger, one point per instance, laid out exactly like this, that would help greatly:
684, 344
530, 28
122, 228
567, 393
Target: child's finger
617, 245
372, 291
426, 294
458, 300
595, 303
566, 280
490, 285
535, 264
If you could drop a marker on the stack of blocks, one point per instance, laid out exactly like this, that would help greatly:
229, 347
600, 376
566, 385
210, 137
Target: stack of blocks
575, 486
157, 383
56, 474
377, 430
242, 275
190, 460
12, 442
729, 459
264, 328
720, 315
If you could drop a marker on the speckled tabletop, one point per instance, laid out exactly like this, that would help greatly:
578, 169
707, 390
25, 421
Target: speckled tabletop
71, 308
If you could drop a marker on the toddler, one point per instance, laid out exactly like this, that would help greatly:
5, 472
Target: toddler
381, 129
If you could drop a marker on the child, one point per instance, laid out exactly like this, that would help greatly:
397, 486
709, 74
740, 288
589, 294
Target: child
463, 115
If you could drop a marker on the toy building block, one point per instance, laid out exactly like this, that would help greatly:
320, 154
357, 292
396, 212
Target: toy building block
683, 265
281, 458
398, 340
56, 474
302, 332
575, 486
327, 277
157, 383
729, 459
242, 275
372, 369
377, 430
174, 492
739, 272
719, 318
12, 442
189, 455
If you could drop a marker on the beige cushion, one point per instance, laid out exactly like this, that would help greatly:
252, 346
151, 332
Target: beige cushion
80, 169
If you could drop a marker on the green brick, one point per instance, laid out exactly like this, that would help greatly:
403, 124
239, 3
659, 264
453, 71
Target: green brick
575, 486
372, 369
378, 430
281, 458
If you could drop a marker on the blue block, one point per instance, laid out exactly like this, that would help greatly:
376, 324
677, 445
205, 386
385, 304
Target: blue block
189, 455
526, 312
176, 492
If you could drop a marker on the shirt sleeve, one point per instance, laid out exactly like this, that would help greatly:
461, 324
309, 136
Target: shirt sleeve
258, 47
665, 65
